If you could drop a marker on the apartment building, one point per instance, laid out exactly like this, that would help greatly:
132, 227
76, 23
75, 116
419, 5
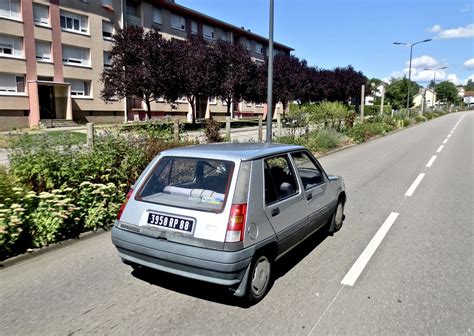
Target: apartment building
53, 52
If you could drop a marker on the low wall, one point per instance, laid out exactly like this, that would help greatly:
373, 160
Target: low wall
13, 119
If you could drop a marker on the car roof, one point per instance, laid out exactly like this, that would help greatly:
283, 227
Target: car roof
232, 151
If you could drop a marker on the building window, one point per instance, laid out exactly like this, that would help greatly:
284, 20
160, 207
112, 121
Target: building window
76, 56
41, 14
259, 48
107, 30
10, 83
11, 46
178, 22
74, 22
107, 60
208, 32
79, 88
10, 9
157, 15
43, 51
212, 101
248, 45
225, 36
107, 3
132, 9
194, 27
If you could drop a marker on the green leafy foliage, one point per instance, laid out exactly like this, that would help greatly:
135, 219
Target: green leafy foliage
364, 131
211, 131
55, 190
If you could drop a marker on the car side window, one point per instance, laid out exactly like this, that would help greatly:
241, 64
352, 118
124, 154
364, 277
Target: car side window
311, 175
279, 179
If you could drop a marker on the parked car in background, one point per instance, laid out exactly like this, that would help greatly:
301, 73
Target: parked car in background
224, 213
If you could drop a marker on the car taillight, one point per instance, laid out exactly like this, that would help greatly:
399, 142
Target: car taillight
236, 225
122, 207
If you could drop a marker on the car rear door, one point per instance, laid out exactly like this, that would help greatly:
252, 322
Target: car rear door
284, 203
317, 194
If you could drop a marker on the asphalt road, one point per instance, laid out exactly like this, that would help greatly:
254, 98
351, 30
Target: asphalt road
414, 277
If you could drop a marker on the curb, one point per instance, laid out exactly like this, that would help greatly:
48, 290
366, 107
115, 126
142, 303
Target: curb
39, 251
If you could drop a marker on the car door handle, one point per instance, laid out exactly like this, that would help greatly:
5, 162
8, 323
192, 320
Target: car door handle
275, 212
309, 196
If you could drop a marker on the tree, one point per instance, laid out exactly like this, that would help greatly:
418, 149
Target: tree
193, 67
232, 71
469, 85
396, 92
137, 69
447, 92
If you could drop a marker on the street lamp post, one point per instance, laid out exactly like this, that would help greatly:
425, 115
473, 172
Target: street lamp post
270, 76
434, 78
409, 68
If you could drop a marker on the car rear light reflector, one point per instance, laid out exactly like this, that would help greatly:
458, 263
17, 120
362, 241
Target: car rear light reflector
236, 225
122, 207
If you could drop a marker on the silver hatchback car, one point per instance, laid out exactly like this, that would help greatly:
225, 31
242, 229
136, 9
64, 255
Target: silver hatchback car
223, 213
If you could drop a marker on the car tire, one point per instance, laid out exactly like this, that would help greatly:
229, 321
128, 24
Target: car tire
338, 216
259, 278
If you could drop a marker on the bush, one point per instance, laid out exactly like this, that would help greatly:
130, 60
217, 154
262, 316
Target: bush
420, 119
323, 140
325, 114
364, 131
56, 191
211, 131
428, 115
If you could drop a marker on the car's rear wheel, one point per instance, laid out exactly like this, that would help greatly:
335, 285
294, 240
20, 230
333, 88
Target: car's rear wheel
260, 277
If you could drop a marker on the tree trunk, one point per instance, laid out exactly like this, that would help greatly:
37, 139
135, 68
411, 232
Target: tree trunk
192, 101
148, 109
229, 102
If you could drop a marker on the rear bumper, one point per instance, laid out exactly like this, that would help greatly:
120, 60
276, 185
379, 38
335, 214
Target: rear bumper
219, 267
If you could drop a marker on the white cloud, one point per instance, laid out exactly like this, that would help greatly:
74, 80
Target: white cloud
454, 79
460, 32
435, 29
422, 62
470, 77
469, 64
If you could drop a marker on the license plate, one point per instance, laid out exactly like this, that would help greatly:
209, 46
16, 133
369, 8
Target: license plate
171, 222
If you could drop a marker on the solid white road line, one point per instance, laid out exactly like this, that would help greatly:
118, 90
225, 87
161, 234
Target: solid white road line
414, 185
361, 262
430, 162
440, 149
445, 141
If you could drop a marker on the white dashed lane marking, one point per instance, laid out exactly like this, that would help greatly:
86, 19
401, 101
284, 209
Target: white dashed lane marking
361, 262
415, 184
440, 149
430, 162
445, 141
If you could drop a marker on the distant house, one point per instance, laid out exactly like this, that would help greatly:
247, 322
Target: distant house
429, 96
461, 91
469, 98
370, 99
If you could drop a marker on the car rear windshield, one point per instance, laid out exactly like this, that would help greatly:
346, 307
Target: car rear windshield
192, 183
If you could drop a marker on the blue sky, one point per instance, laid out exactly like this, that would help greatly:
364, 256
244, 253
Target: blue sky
330, 33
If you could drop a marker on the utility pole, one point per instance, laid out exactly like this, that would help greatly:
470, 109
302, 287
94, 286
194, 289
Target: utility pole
362, 102
383, 96
270, 76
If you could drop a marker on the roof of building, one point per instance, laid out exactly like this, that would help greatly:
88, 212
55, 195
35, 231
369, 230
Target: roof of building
468, 93
233, 151
213, 21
